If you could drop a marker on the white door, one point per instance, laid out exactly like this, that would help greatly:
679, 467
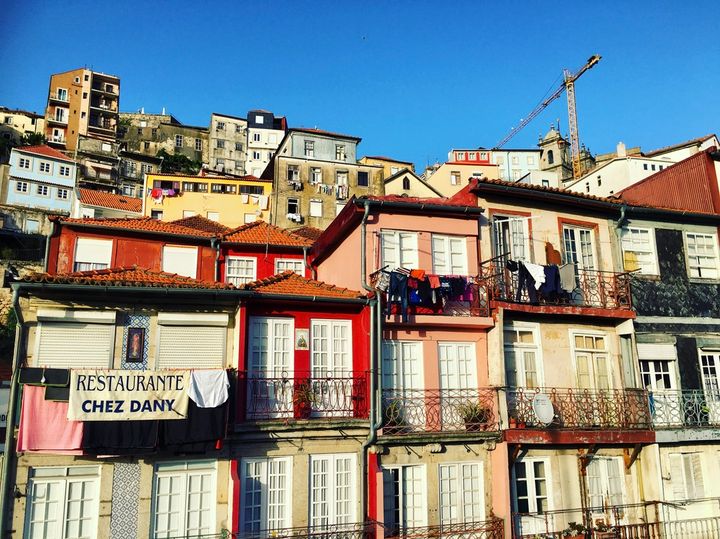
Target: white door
531, 497
458, 382
271, 368
593, 374
523, 370
404, 498
462, 497
266, 488
606, 487
579, 249
658, 377
332, 490
403, 395
331, 367
709, 367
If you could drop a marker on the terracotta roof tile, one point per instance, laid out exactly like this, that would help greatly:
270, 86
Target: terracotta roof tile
129, 276
198, 222
110, 200
291, 283
261, 233
309, 232
383, 158
139, 224
45, 150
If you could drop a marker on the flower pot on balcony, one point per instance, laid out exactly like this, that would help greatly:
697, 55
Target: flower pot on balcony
303, 399
475, 416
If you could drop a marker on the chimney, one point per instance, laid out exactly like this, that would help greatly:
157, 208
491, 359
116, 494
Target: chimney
621, 151
142, 110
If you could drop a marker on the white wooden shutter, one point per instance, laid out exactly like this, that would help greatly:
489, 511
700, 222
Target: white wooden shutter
93, 251
332, 489
615, 481
461, 493
180, 260
440, 262
657, 351
408, 249
677, 480
191, 347
68, 345
696, 488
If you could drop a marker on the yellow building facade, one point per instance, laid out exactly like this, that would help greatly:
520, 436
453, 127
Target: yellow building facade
232, 201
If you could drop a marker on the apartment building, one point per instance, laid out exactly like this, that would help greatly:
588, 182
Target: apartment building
14, 125
265, 132
81, 102
228, 139
314, 174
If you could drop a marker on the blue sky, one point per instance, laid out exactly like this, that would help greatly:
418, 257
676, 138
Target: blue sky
412, 78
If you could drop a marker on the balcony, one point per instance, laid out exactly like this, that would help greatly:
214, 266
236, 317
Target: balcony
102, 126
359, 530
484, 529
593, 289
58, 121
673, 409
60, 98
105, 89
305, 396
436, 411
52, 139
104, 107
584, 409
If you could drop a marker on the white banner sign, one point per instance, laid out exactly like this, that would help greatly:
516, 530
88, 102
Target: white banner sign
112, 395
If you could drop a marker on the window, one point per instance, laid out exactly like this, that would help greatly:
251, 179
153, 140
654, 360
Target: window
309, 148
686, 476
184, 499
339, 206
591, 361
702, 255
191, 341
146, 145
23, 163
249, 217
472, 156
154, 132
61, 115
220, 143
213, 216
515, 160
511, 237
394, 170
21, 187
63, 502
64, 171
457, 365
550, 157
599, 180
259, 119
530, 481
293, 206
240, 270
500, 160
330, 350
74, 339
32, 226
180, 260
340, 152
523, 364
239, 146
399, 249
189, 213
449, 256
293, 173
127, 190
709, 367
605, 482
315, 175
645, 167
179, 141
316, 208
156, 214
63, 194
220, 164
139, 131
402, 365
546, 183
579, 247
92, 254
332, 490
404, 498
256, 137
290, 264
256, 155
43, 190
251, 190
652, 167
454, 178
363, 178
406, 183
459, 156
341, 177
266, 488
198, 144
530, 160
45, 167
221, 126
462, 497
146, 169
238, 128
638, 248
8, 120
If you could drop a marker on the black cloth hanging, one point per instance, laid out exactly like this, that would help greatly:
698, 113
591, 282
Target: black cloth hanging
120, 437
198, 433
525, 282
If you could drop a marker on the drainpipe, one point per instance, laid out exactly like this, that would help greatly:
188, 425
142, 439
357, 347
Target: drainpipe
215, 244
47, 245
375, 339
5, 497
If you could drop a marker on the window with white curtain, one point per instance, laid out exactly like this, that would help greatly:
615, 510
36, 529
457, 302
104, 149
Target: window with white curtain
606, 482
399, 249
333, 496
180, 260
449, 255
462, 497
63, 502
265, 495
184, 499
92, 254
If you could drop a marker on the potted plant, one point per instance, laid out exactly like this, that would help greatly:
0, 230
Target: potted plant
575, 530
474, 415
304, 398
603, 531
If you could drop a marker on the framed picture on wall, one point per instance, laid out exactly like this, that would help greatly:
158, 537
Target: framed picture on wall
302, 339
135, 345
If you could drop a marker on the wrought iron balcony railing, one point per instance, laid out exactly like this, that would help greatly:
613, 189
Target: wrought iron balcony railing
359, 530
684, 408
303, 395
597, 289
582, 408
484, 529
411, 411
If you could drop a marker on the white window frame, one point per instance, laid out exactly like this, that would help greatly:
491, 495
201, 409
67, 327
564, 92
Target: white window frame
21, 187
98, 260
316, 207
532, 494
63, 194
179, 140
442, 254
42, 190
45, 167
691, 483
299, 264
185, 473
607, 496
330, 355
420, 520
66, 478
632, 242
169, 265
518, 230
309, 148
239, 278
595, 355
517, 349
333, 485
456, 504
64, 171
406, 257
457, 365
402, 365
24, 162
712, 267
263, 480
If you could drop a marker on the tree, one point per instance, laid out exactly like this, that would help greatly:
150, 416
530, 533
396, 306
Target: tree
178, 163
33, 139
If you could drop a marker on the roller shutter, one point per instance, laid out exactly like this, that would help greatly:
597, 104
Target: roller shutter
191, 347
657, 351
66, 345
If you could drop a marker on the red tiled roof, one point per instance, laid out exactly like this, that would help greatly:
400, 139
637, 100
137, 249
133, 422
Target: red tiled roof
198, 222
462, 198
45, 150
130, 276
383, 158
315, 131
291, 283
309, 232
202, 174
261, 233
110, 200
139, 224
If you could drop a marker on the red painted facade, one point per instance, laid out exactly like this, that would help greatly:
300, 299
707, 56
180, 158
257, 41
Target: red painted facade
265, 259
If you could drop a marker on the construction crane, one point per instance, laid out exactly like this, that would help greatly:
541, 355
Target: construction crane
568, 85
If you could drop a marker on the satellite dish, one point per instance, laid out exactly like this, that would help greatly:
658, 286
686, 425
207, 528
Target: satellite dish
543, 408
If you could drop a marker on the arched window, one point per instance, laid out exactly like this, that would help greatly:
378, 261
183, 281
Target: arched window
406, 184
551, 157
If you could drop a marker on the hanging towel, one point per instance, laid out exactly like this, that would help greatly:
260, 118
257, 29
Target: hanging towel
417, 274
244, 198
538, 273
263, 201
551, 287
567, 277
208, 389
199, 433
44, 426
434, 281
